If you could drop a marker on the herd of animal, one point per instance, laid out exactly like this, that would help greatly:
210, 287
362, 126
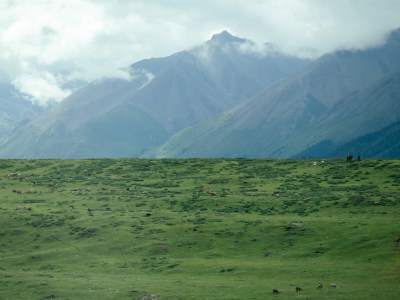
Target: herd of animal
299, 289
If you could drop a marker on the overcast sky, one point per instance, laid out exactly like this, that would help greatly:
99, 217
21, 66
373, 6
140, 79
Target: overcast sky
45, 45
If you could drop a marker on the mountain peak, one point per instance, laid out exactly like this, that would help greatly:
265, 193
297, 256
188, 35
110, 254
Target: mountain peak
394, 37
225, 37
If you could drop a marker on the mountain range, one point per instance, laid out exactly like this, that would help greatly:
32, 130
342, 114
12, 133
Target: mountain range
336, 98
115, 117
224, 98
14, 108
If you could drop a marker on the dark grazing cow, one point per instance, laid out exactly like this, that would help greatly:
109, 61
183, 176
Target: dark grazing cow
349, 157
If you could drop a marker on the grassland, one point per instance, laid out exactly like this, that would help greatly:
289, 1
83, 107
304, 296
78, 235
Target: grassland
199, 229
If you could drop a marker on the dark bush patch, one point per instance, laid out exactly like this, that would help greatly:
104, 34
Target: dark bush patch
88, 233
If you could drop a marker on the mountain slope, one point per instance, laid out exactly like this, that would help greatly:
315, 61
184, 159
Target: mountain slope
14, 108
191, 86
358, 114
384, 143
279, 122
171, 93
120, 132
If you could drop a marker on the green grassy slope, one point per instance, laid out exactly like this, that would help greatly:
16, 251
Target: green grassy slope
199, 229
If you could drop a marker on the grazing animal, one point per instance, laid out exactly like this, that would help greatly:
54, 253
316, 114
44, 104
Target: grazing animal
397, 242
162, 247
349, 157
333, 285
275, 291
376, 203
213, 193
319, 286
299, 289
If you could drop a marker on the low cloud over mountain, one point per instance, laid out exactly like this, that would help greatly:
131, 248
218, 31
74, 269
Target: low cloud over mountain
117, 117
330, 99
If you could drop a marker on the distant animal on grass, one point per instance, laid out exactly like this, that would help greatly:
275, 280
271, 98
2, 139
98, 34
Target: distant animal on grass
319, 286
50, 297
150, 297
299, 289
349, 157
397, 242
333, 285
162, 247
275, 291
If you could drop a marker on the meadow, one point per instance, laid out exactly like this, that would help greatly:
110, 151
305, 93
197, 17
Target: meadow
199, 229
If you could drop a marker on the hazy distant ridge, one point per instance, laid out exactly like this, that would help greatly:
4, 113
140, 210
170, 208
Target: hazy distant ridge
119, 118
224, 98
337, 97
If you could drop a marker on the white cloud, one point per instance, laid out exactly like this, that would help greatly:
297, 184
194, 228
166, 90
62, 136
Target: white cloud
257, 48
323, 25
68, 40
40, 87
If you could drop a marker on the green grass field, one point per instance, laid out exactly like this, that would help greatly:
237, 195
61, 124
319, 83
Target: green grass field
199, 229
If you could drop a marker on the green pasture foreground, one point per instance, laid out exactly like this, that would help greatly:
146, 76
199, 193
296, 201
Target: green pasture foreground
199, 229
